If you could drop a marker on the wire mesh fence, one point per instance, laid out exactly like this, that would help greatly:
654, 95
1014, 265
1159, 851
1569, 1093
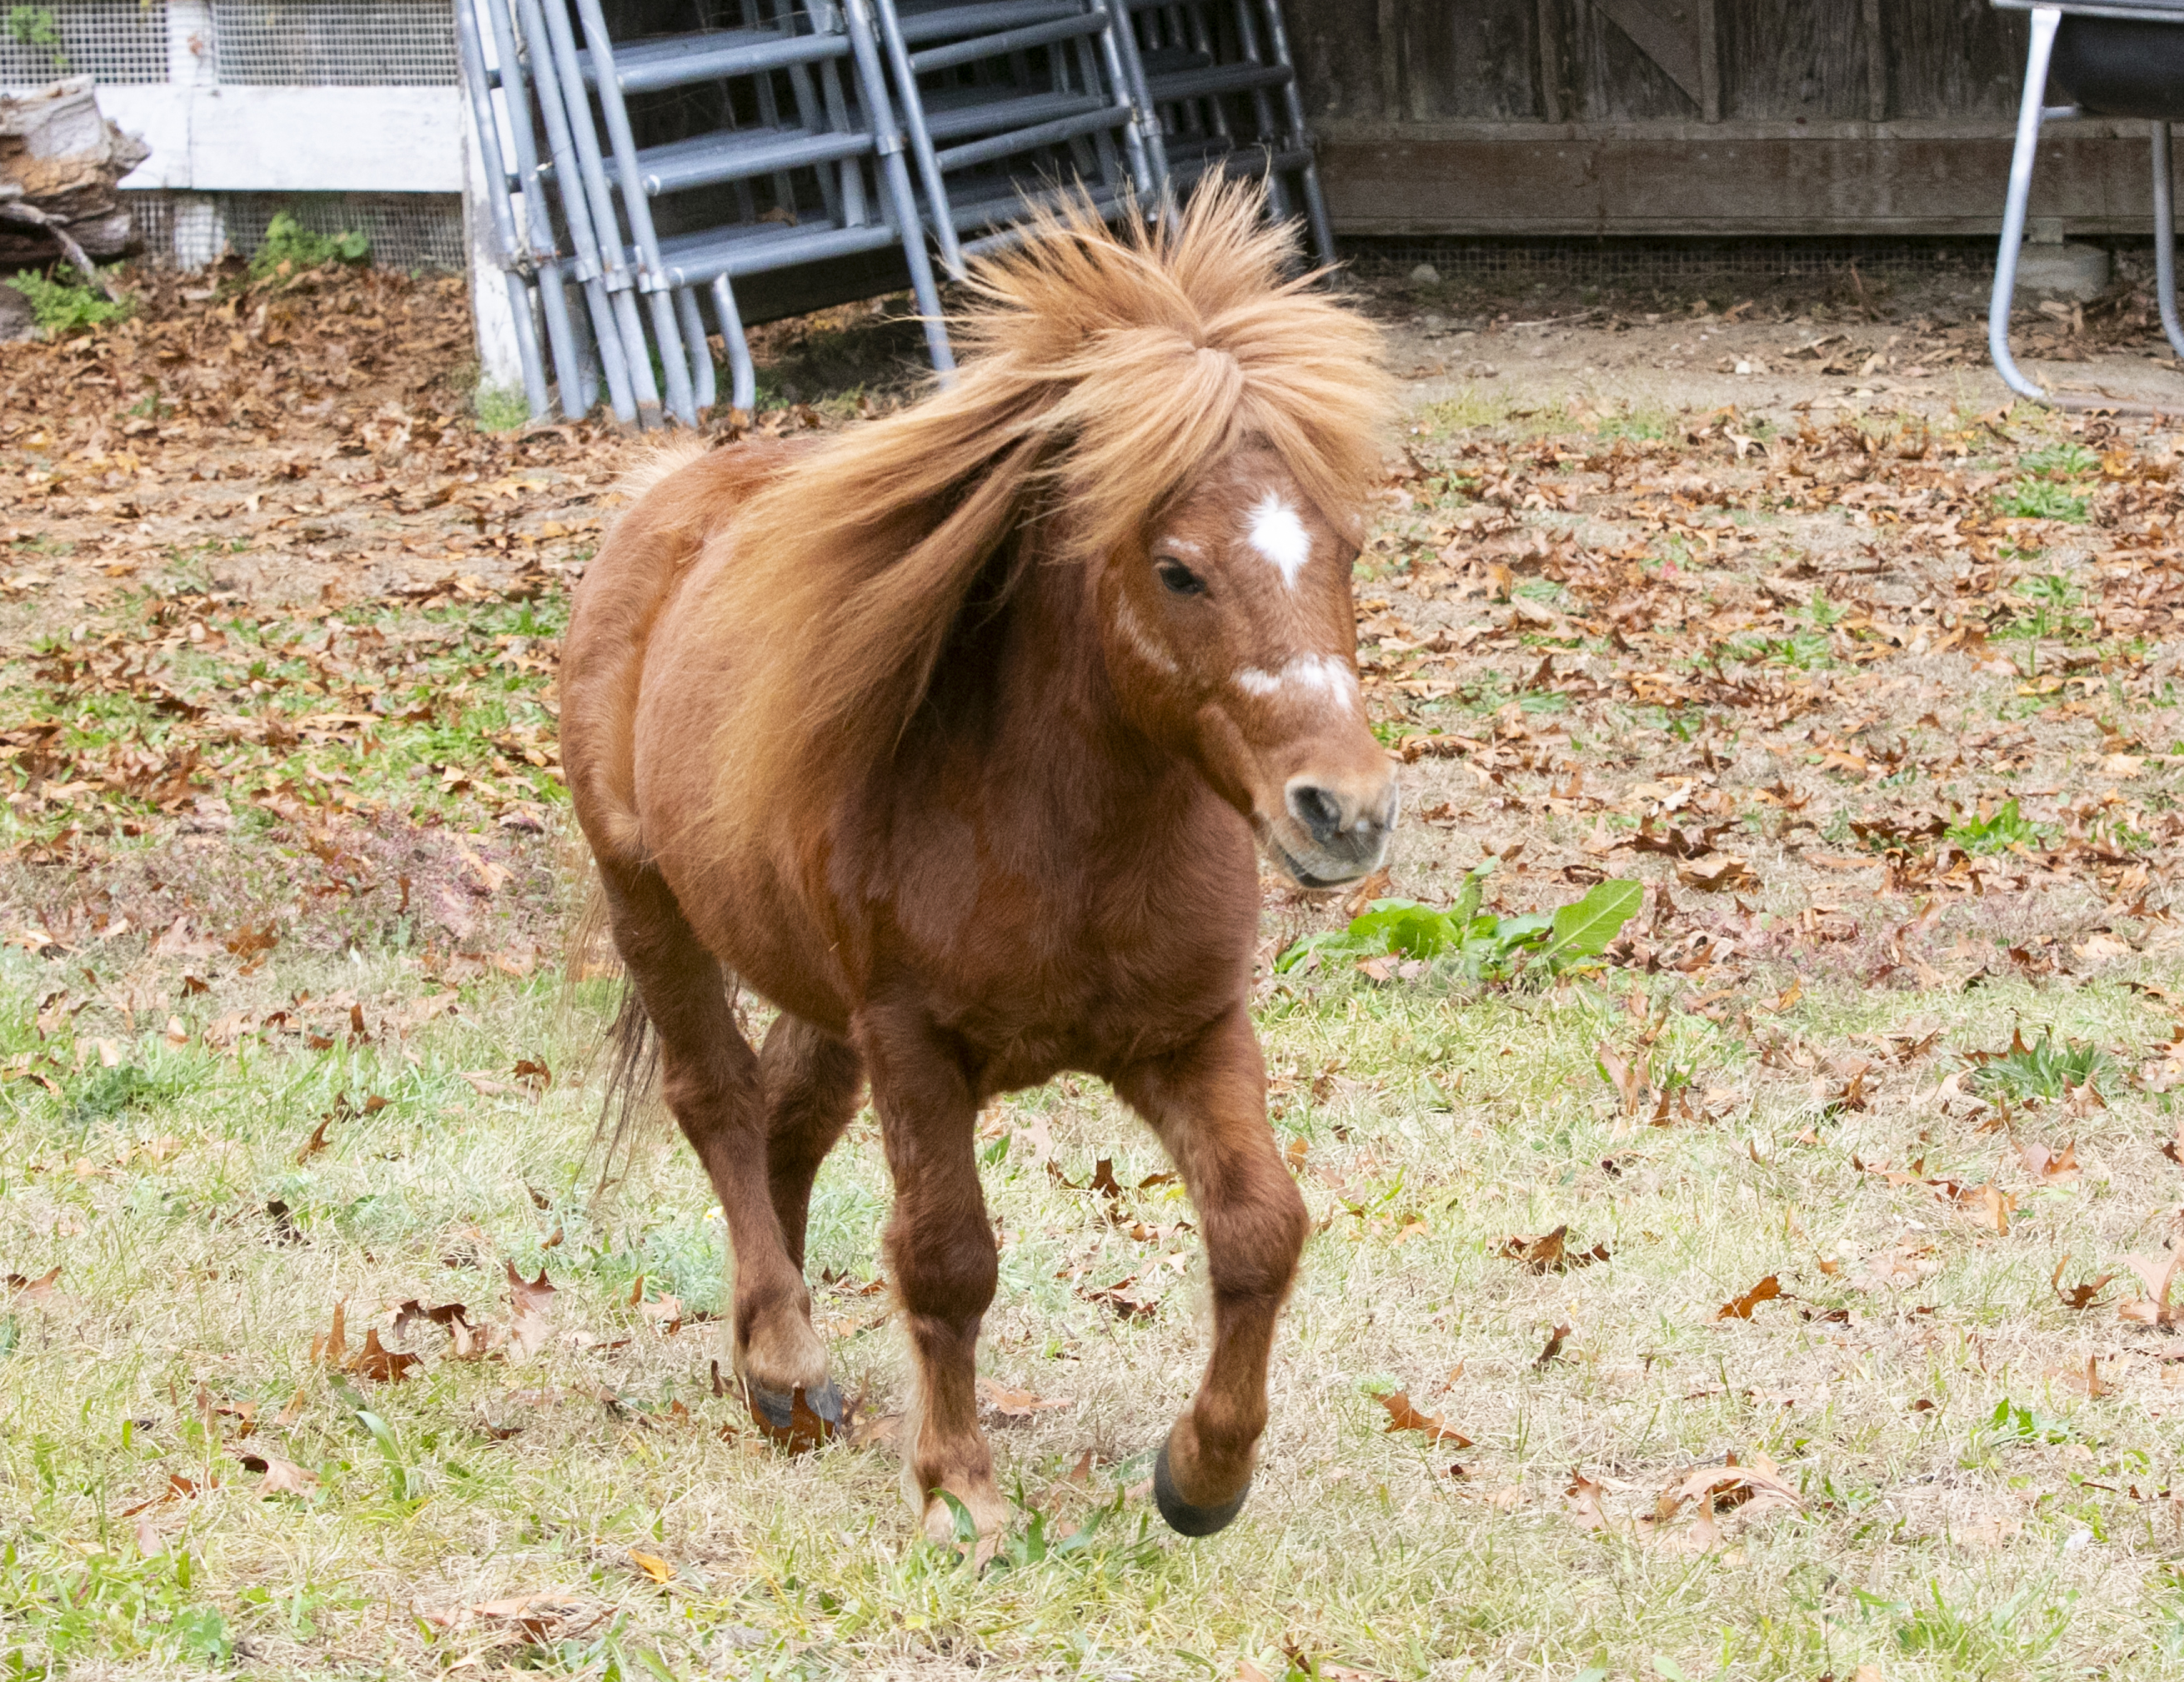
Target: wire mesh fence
1635, 267
417, 230
117, 41
1640, 265
335, 43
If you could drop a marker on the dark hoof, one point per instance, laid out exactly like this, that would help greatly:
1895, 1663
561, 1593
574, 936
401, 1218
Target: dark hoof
1184, 1519
779, 1410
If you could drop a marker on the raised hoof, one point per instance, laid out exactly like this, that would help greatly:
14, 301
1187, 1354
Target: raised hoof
798, 1418
1184, 1519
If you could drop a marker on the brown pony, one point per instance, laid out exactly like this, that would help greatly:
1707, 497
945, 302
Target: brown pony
950, 737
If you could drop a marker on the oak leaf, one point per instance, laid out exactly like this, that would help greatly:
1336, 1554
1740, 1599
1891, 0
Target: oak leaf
1403, 1417
1740, 1308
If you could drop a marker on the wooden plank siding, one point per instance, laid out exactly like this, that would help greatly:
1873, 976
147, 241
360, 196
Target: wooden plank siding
1841, 118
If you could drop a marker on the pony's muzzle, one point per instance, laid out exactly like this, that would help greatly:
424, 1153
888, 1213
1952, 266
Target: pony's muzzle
1338, 828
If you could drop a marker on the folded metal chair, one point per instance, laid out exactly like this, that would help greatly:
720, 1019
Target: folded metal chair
515, 251
2114, 58
1218, 79
765, 191
502, 44
1008, 101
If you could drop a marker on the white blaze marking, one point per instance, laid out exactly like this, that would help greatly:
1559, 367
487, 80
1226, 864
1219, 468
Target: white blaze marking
1278, 534
1322, 673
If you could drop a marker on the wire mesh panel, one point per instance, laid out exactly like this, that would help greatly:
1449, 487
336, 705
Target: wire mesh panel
190, 230
110, 40
335, 43
1641, 264
407, 230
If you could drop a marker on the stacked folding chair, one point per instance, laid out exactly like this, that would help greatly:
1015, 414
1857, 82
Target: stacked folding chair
1008, 102
585, 342
1219, 80
771, 177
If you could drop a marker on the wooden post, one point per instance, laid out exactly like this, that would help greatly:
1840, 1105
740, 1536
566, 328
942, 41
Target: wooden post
1552, 107
1392, 106
1710, 58
1876, 65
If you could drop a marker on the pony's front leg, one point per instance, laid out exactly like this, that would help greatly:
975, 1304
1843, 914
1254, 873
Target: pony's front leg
1208, 1104
940, 1252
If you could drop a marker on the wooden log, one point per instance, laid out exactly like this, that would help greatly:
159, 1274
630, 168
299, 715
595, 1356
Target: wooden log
61, 162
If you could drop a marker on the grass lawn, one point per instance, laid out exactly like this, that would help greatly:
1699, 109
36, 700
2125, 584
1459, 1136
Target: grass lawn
1784, 1295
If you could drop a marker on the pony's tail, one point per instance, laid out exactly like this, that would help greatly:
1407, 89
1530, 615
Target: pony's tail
630, 1049
633, 1081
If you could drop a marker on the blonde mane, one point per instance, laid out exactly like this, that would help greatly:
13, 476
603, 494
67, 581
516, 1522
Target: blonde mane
1102, 372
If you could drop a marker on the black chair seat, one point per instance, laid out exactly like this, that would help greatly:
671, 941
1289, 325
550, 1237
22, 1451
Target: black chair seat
2120, 67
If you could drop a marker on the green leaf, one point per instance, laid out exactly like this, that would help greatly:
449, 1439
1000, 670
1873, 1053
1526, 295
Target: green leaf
202, 1630
1514, 932
1468, 896
1583, 930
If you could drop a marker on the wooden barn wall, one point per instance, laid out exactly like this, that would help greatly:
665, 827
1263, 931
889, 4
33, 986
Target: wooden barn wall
1675, 117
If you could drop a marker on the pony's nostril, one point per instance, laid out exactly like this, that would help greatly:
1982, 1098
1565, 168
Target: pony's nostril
1316, 809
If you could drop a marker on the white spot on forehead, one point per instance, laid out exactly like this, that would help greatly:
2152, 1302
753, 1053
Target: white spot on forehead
1142, 641
1322, 675
1277, 533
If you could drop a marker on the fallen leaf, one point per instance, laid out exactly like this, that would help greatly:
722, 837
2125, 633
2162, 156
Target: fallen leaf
804, 1431
1740, 1308
2088, 1382
2077, 1295
379, 1365
1584, 1502
529, 1296
33, 1290
1018, 1404
2051, 1166
315, 1143
1717, 873
2157, 1273
332, 1346
1402, 1416
881, 1427
282, 1477
1554, 1346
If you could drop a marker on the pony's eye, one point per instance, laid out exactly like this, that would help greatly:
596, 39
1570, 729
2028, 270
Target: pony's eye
1180, 580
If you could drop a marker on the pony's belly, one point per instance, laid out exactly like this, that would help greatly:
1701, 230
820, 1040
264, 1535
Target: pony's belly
750, 920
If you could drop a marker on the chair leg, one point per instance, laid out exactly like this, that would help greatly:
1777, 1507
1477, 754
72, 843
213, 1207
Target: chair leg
526, 348
2164, 239
911, 112
895, 185
1315, 201
674, 366
2030, 111
606, 341
743, 378
701, 356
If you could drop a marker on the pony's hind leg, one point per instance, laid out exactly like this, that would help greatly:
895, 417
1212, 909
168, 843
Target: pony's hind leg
1208, 1104
811, 1081
942, 1257
711, 1079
